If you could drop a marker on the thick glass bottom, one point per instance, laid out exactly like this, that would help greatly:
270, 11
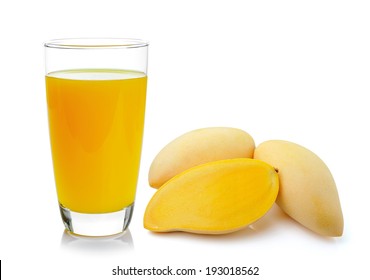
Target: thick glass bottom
104, 224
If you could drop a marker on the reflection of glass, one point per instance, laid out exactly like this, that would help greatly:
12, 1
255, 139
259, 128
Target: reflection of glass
96, 91
118, 243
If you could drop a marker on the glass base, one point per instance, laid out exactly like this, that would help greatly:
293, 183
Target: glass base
104, 224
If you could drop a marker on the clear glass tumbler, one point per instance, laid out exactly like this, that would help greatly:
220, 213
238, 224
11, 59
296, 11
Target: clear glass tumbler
96, 92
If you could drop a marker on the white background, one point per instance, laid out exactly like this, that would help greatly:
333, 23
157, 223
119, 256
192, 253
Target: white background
292, 70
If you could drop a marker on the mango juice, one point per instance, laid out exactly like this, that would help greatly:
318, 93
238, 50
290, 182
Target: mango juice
96, 120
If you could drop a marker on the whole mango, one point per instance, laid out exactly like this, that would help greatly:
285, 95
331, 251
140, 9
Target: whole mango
308, 192
198, 147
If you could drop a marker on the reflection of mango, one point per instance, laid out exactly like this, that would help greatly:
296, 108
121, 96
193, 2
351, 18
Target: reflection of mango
307, 189
198, 147
214, 198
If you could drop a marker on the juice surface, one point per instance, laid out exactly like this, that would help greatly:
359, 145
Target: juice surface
96, 120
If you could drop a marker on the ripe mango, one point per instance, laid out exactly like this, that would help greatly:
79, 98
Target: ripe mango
213, 198
198, 147
308, 192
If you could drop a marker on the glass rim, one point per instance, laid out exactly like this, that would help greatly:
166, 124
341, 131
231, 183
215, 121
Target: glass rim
95, 43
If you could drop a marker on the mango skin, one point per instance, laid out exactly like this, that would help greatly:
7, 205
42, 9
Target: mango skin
198, 147
308, 192
214, 198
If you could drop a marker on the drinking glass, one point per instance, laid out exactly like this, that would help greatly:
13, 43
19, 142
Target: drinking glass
96, 92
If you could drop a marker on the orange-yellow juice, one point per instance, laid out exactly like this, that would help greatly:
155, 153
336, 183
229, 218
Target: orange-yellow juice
96, 120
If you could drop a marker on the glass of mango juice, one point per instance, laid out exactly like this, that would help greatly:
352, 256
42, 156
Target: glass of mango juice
96, 93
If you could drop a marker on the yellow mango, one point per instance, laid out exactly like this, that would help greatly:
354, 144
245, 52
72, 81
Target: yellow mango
213, 198
198, 147
308, 192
